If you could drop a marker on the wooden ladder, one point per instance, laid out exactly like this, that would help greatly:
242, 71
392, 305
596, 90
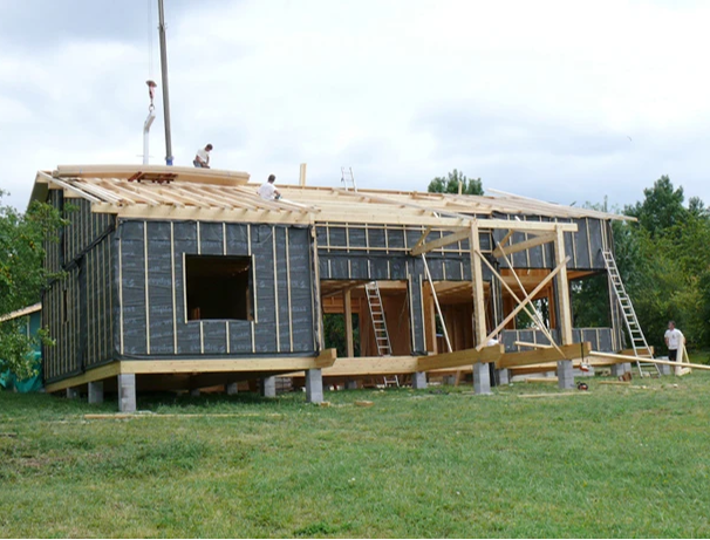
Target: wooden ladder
638, 340
379, 325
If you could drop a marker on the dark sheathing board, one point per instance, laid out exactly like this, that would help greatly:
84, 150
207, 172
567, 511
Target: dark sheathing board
584, 247
152, 315
370, 253
77, 309
379, 253
600, 338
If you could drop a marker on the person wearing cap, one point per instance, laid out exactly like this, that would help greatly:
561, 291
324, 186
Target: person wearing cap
202, 157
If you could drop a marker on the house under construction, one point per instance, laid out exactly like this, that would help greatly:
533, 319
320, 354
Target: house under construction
181, 278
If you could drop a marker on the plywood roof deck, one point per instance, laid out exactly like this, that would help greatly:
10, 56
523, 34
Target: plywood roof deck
190, 193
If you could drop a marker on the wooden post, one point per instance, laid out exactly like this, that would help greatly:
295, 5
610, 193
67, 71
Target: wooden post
317, 300
302, 176
348, 311
565, 314
565, 373
479, 304
431, 311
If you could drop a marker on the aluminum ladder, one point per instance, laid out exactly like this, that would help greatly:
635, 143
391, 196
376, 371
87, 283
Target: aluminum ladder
379, 325
638, 340
348, 178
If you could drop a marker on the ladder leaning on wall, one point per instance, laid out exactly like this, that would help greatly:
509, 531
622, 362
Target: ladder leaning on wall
379, 325
638, 340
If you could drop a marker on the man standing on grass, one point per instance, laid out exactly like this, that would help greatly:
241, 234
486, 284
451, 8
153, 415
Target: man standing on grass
674, 339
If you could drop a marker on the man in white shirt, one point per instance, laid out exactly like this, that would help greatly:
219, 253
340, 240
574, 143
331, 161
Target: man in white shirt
202, 157
674, 339
268, 191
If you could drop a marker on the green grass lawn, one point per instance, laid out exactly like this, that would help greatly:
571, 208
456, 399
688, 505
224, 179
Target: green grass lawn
614, 462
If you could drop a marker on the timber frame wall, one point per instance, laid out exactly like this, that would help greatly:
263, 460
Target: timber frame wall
79, 309
123, 298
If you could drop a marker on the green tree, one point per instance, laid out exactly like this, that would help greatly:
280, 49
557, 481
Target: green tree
450, 184
665, 263
662, 207
22, 275
334, 333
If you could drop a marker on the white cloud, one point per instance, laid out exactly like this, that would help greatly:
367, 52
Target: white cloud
535, 97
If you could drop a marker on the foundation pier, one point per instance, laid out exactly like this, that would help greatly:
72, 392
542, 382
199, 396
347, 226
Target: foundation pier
314, 386
127, 392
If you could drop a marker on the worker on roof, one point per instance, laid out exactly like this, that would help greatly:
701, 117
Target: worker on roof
268, 191
202, 158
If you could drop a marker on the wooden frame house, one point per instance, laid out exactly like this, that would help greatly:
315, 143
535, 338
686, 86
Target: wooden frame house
185, 278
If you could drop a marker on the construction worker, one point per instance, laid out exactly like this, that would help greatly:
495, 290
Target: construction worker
674, 339
268, 191
202, 157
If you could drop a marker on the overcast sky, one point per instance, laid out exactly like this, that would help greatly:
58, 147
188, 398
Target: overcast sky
563, 101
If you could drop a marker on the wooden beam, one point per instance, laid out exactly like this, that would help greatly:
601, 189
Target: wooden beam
436, 303
552, 366
522, 246
624, 358
440, 242
565, 315
630, 352
348, 304
533, 345
364, 366
191, 174
284, 363
525, 226
96, 374
423, 237
505, 239
524, 302
460, 358
479, 302
302, 175
575, 350
464, 218
533, 313
326, 358
198, 365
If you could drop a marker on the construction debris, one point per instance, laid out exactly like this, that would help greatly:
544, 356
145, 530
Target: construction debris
364, 403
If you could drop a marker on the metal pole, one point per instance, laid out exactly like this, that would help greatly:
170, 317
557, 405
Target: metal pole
164, 73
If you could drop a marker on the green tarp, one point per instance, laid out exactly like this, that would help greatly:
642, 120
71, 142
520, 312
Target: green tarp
8, 380
33, 384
